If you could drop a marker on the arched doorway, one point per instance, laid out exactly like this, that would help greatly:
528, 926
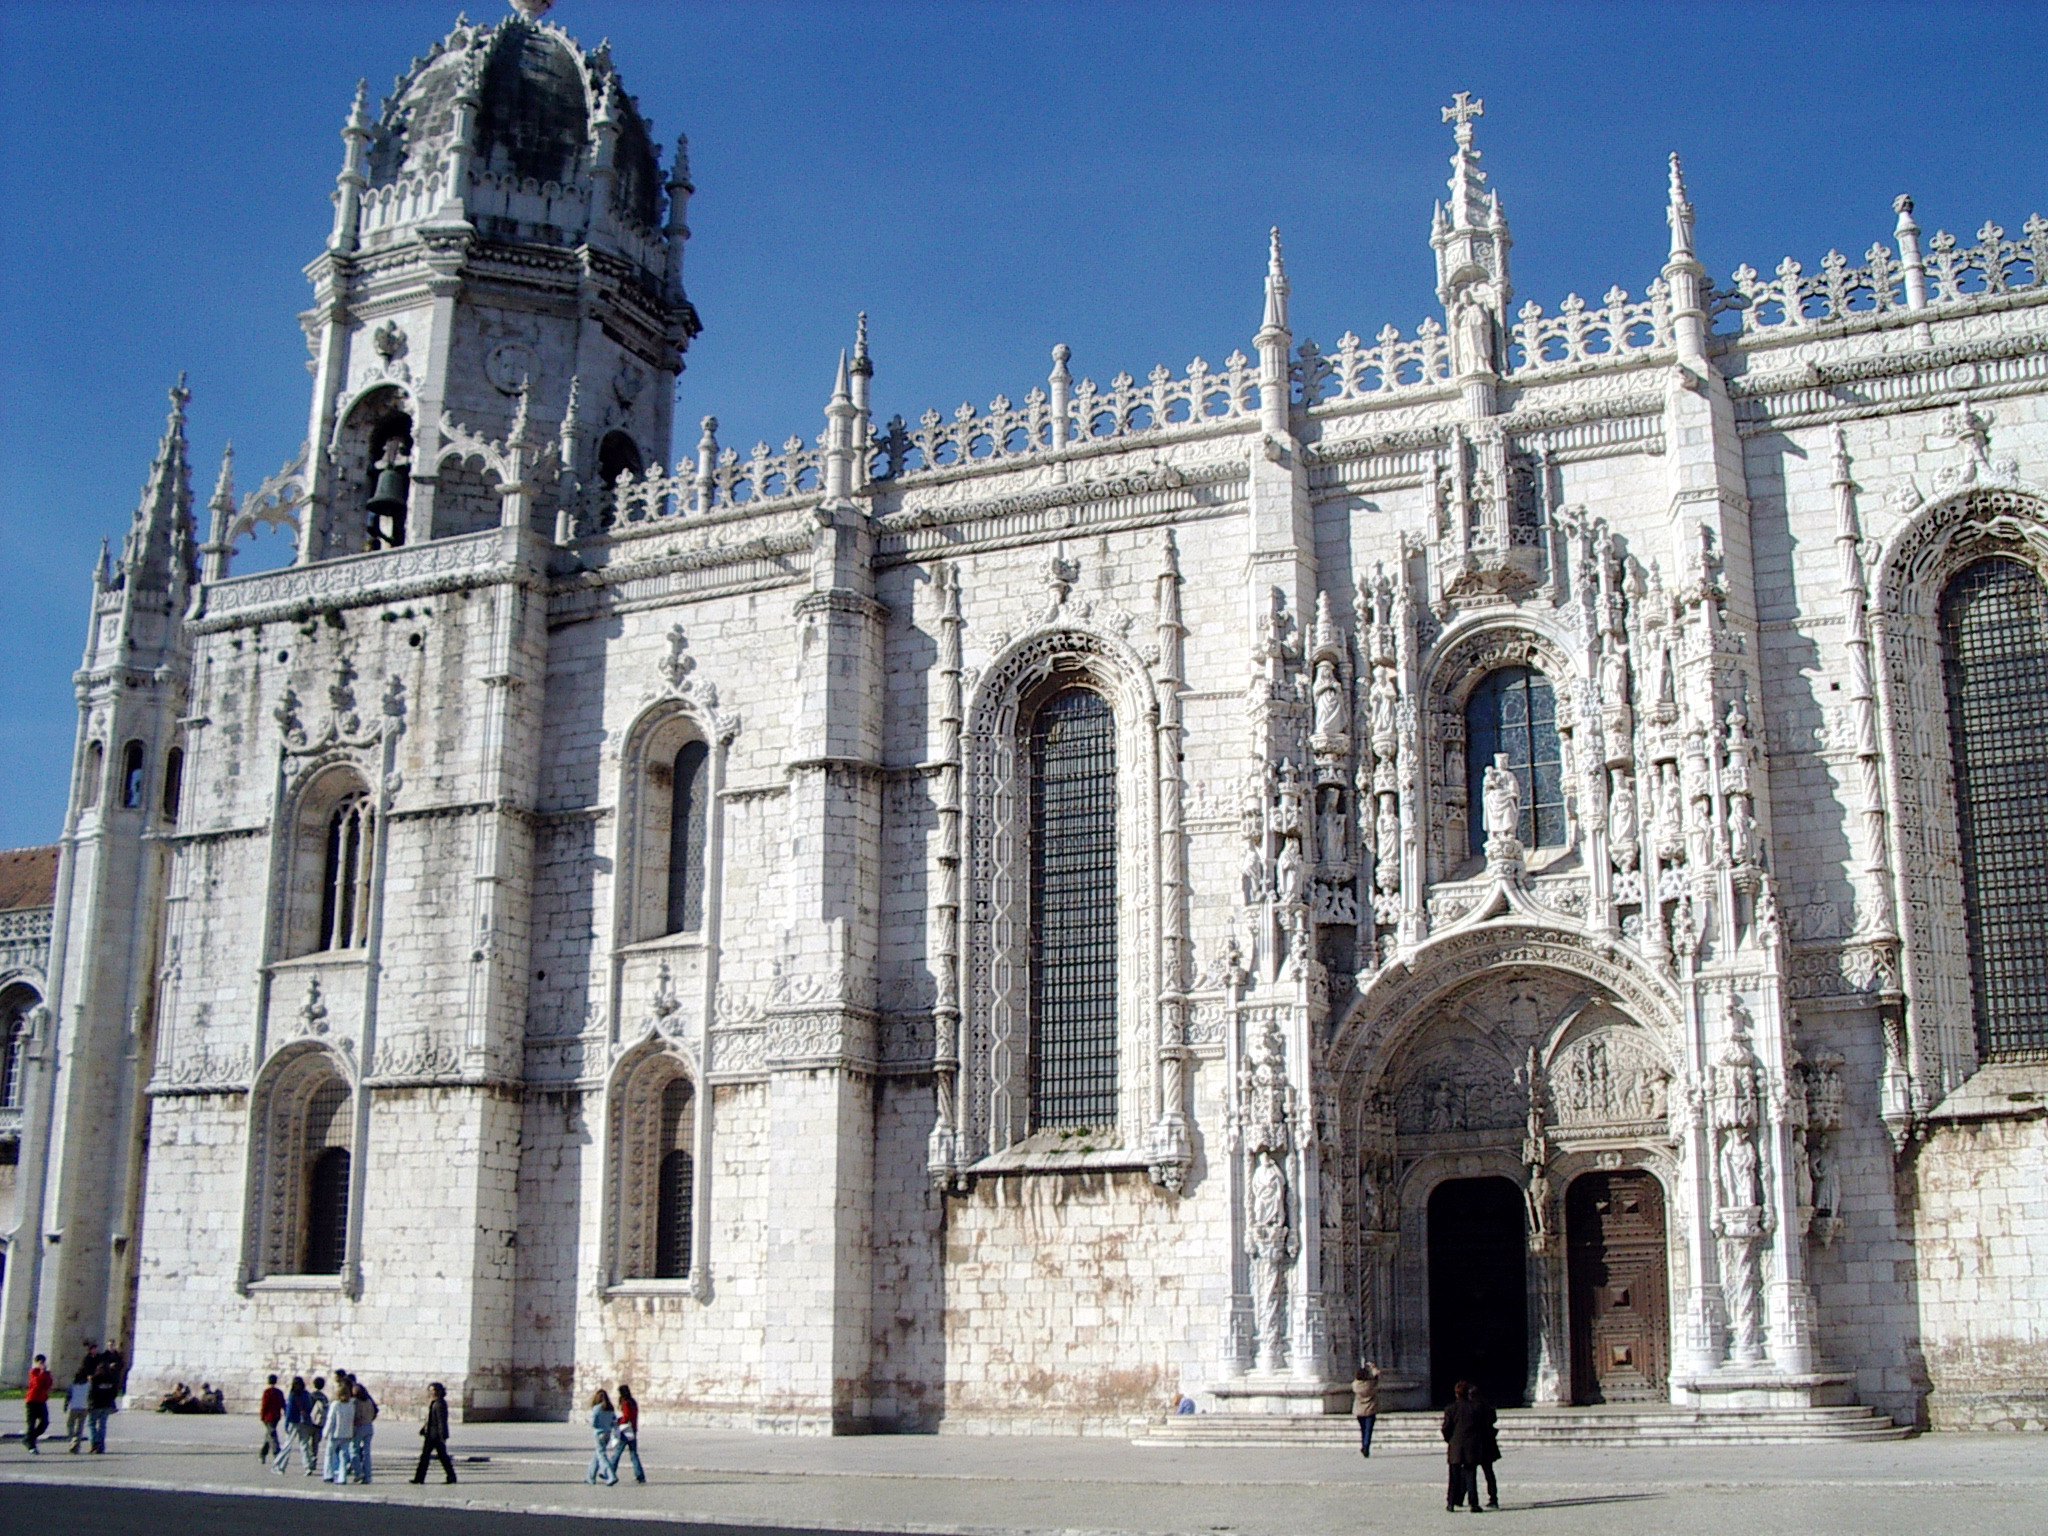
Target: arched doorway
1478, 1290
1620, 1288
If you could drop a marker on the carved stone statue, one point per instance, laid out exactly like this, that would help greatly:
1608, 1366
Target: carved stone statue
1621, 822
1384, 716
1737, 1170
1388, 834
1502, 793
1333, 710
1741, 831
1330, 820
1288, 875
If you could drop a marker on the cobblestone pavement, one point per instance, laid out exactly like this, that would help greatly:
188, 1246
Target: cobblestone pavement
179, 1475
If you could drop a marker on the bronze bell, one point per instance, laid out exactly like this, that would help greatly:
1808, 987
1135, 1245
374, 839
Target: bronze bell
388, 500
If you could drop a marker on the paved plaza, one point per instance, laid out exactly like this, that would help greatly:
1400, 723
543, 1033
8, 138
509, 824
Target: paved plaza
167, 1476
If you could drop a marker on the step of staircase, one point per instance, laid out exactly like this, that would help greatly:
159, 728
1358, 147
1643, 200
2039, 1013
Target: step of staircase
1652, 1424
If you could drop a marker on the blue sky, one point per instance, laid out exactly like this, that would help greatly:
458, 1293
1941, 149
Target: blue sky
984, 179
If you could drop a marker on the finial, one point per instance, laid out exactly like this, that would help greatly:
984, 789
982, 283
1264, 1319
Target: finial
841, 388
1169, 555
533, 10
1839, 453
679, 174
359, 110
1902, 205
1461, 111
860, 335
1275, 322
179, 396
224, 486
1274, 264
1678, 213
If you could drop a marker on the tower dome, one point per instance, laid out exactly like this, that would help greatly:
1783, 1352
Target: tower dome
533, 137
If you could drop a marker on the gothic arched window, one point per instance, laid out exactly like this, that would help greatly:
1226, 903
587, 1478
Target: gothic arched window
1073, 911
327, 1213
686, 827
1513, 711
1994, 632
306, 1129
675, 1193
345, 883
131, 776
174, 781
13, 1051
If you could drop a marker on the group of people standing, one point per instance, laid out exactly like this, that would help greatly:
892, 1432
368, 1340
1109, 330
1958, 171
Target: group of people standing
617, 1433
1471, 1430
90, 1401
332, 1436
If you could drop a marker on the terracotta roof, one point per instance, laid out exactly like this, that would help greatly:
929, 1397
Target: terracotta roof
28, 877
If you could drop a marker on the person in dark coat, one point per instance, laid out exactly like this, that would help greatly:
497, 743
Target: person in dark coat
1463, 1441
434, 1432
1489, 1446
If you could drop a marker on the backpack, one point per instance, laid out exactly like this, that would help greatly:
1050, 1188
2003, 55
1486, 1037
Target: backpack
366, 1407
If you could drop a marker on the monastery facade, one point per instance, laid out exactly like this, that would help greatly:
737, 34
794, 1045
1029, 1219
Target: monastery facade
1511, 851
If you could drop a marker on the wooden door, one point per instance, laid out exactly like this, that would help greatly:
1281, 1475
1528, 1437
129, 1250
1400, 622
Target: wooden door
1620, 1306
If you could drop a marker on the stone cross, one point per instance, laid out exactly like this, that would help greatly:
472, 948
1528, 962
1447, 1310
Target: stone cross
1461, 111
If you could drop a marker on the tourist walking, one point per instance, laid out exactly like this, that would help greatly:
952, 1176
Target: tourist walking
435, 1433
338, 1446
298, 1427
316, 1427
1365, 1403
602, 1422
1461, 1449
1489, 1446
77, 1403
35, 1397
366, 1427
271, 1411
626, 1437
100, 1400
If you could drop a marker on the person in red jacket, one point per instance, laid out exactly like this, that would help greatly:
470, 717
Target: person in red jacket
37, 1397
271, 1412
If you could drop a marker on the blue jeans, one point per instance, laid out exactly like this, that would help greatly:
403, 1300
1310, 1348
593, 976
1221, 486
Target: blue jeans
360, 1452
626, 1443
601, 1470
1365, 1424
96, 1422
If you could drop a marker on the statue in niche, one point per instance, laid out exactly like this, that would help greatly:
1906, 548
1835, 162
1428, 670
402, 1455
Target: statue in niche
1537, 1197
1502, 796
1473, 327
1333, 712
1388, 831
1621, 822
1670, 832
1384, 701
1827, 1185
1741, 831
1272, 1247
1289, 874
1330, 823
1252, 874
1738, 1170
1614, 699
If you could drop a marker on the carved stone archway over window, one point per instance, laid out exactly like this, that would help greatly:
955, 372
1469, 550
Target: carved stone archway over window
303, 1106
1931, 1045
640, 1132
995, 1088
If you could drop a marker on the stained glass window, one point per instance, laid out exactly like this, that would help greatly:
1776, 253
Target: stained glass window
1513, 711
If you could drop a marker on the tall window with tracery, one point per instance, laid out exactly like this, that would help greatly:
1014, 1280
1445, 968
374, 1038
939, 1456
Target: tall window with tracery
675, 1193
1073, 912
14, 1044
327, 1169
345, 886
1513, 711
686, 829
1994, 632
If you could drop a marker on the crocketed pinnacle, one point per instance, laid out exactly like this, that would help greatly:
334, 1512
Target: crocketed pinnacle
158, 550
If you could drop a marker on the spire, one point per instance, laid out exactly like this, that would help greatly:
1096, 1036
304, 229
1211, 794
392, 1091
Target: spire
157, 553
1469, 207
841, 388
214, 552
861, 365
1276, 286
1679, 214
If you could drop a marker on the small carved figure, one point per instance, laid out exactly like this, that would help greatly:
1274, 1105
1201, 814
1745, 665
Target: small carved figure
1289, 874
1384, 701
1741, 831
1502, 795
1330, 824
1621, 822
1333, 712
1738, 1170
1388, 833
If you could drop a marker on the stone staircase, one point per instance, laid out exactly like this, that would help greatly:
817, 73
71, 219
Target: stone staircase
1521, 1428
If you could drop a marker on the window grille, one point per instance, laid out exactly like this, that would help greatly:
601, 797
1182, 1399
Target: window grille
345, 890
686, 840
1994, 630
1514, 711
327, 1213
673, 1211
1073, 912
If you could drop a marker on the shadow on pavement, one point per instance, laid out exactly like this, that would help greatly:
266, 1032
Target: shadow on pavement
111, 1511
1591, 1498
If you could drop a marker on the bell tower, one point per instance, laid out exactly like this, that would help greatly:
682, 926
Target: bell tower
499, 313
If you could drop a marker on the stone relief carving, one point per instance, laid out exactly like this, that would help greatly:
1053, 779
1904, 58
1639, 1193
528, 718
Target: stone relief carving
1262, 1132
1611, 1076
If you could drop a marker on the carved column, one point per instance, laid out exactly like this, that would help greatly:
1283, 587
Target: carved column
1167, 1152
